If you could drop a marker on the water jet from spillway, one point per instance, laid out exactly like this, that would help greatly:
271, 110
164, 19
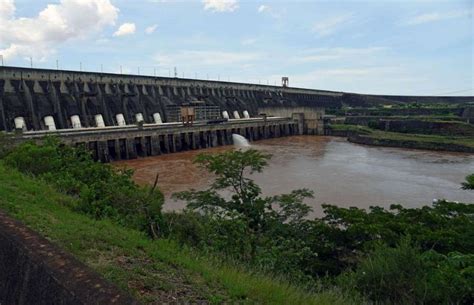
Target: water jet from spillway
240, 141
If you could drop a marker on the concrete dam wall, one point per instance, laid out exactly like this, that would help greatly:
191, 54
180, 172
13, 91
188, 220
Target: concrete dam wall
37, 99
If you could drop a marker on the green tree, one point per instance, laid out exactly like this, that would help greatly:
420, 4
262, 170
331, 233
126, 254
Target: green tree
469, 184
255, 213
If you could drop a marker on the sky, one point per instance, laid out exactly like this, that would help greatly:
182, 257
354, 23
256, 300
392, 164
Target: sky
411, 47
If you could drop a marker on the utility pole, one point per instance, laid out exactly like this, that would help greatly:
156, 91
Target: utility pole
120, 69
175, 72
57, 64
31, 62
1, 56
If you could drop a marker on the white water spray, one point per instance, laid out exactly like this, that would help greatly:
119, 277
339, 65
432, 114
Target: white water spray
240, 141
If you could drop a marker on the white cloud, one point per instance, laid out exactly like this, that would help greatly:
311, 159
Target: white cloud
436, 16
151, 29
248, 41
266, 9
39, 36
325, 54
262, 8
205, 58
330, 25
362, 79
126, 29
7, 9
221, 5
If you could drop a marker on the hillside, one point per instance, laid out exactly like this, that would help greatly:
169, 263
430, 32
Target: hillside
153, 271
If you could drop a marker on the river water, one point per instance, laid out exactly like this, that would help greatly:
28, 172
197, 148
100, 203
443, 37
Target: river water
339, 172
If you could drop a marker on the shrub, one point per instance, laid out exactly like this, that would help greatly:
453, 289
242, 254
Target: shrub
6, 144
469, 184
102, 190
373, 124
406, 275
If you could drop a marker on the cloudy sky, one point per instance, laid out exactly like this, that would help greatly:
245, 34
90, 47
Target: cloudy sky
379, 46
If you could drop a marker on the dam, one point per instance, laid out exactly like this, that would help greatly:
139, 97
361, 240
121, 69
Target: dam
125, 116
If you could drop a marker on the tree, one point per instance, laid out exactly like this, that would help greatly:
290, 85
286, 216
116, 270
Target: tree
246, 204
469, 184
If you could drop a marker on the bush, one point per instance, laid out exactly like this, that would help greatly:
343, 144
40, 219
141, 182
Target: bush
373, 124
469, 184
6, 144
102, 190
406, 275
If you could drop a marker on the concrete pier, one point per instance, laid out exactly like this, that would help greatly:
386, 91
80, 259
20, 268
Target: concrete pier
133, 141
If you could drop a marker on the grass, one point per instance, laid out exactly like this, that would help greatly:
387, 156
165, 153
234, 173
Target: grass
153, 271
397, 136
354, 128
458, 140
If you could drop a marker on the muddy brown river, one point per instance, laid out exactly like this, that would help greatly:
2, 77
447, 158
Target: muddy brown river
339, 172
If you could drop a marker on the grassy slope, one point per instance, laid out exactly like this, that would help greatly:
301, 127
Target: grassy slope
353, 128
378, 134
153, 271
465, 141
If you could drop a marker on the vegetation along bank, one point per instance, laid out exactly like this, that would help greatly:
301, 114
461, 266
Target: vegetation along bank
248, 248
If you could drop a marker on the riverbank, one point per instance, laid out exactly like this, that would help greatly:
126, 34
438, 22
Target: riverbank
414, 141
369, 136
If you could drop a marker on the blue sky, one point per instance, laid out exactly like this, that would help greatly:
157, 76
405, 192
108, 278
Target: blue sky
380, 47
